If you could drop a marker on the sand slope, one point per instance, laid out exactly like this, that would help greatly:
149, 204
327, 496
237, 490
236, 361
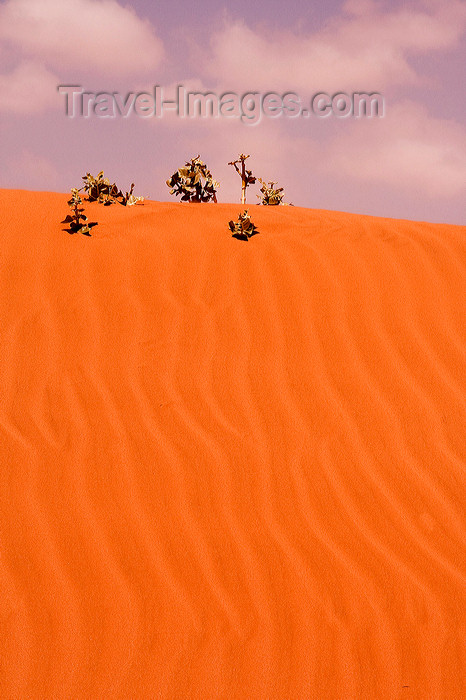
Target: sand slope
229, 469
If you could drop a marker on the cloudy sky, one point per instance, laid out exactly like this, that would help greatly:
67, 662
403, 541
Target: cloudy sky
409, 164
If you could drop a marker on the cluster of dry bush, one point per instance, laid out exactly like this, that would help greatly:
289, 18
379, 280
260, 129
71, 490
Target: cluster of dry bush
98, 189
193, 182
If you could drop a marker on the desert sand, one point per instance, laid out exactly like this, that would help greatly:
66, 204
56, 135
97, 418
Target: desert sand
230, 469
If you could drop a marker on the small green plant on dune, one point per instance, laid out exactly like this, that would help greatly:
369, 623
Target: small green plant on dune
247, 178
77, 220
243, 228
194, 182
270, 195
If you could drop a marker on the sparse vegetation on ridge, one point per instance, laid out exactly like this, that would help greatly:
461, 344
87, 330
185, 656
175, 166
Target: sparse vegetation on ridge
98, 189
193, 182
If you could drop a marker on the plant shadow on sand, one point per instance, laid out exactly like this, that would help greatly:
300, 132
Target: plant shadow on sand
243, 236
71, 231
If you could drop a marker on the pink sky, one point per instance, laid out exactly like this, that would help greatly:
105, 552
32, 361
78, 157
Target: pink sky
409, 164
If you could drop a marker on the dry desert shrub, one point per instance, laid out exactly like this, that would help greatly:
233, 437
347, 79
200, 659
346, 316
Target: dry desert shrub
243, 228
194, 182
99, 189
270, 195
77, 220
247, 178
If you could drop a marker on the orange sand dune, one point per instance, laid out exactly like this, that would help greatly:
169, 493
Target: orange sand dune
230, 469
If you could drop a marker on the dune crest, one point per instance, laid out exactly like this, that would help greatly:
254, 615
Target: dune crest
230, 469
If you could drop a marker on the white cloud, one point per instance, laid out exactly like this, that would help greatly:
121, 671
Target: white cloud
365, 48
27, 89
407, 150
86, 35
